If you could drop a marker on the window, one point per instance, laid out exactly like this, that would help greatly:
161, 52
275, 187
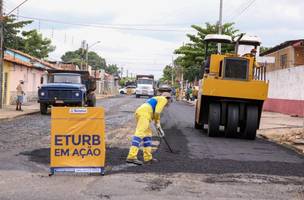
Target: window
67, 78
235, 68
145, 81
283, 61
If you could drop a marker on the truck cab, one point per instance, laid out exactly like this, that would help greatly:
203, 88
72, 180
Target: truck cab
145, 86
66, 89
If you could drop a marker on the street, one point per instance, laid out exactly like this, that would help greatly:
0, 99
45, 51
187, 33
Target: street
200, 167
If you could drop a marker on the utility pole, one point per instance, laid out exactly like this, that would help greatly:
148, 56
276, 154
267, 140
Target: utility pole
83, 44
1, 51
172, 72
219, 46
121, 72
87, 57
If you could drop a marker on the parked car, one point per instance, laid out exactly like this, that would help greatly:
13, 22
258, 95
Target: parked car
131, 88
163, 88
123, 90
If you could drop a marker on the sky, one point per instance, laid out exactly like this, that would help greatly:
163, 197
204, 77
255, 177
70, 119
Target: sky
140, 36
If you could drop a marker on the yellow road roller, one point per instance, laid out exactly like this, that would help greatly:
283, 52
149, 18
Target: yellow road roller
232, 90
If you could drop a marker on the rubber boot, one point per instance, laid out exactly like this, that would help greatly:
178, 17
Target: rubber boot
134, 161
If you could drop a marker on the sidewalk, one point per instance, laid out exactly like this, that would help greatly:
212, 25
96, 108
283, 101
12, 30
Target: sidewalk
283, 129
9, 112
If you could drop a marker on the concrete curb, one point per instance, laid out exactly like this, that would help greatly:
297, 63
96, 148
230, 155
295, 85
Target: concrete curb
20, 115
104, 97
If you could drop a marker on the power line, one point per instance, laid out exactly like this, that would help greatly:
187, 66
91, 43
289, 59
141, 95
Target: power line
242, 11
17, 7
103, 26
237, 10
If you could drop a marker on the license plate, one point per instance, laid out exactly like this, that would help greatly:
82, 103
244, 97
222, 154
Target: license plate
59, 101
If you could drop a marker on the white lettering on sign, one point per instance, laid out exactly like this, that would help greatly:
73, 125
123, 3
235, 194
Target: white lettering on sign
78, 110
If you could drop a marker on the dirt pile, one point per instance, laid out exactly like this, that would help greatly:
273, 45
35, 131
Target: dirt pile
291, 137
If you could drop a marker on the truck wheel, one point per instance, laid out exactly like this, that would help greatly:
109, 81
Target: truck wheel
232, 121
137, 96
214, 119
43, 108
251, 123
92, 101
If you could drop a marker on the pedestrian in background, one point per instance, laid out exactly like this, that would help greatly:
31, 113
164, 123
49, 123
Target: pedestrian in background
151, 110
173, 93
20, 94
188, 92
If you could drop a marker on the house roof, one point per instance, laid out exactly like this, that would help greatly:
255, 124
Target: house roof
282, 46
15, 60
47, 64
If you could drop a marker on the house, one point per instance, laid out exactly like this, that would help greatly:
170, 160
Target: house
285, 76
288, 54
21, 66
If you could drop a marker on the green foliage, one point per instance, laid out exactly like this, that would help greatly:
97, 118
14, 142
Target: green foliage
73, 57
264, 49
112, 69
167, 74
124, 81
30, 42
79, 56
34, 44
12, 38
94, 60
192, 55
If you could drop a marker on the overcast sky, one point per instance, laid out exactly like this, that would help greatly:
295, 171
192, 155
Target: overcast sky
141, 35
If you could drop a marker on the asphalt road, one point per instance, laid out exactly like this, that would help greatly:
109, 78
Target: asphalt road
200, 168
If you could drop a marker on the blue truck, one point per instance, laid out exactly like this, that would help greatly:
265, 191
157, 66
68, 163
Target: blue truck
67, 88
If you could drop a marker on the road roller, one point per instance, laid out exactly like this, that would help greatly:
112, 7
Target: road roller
232, 89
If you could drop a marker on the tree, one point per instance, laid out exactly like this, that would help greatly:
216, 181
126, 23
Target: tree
12, 31
72, 57
112, 69
96, 61
34, 44
264, 49
78, 56
192, 55
167, 74
30, 42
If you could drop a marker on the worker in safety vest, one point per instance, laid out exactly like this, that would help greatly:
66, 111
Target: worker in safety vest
147, 112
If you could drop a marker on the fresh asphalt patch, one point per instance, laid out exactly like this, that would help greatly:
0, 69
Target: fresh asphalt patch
192, 156
181, 162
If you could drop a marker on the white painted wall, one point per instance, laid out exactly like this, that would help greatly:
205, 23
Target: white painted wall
286, 83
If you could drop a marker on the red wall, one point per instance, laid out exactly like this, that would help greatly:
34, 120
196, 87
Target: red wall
290, 107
